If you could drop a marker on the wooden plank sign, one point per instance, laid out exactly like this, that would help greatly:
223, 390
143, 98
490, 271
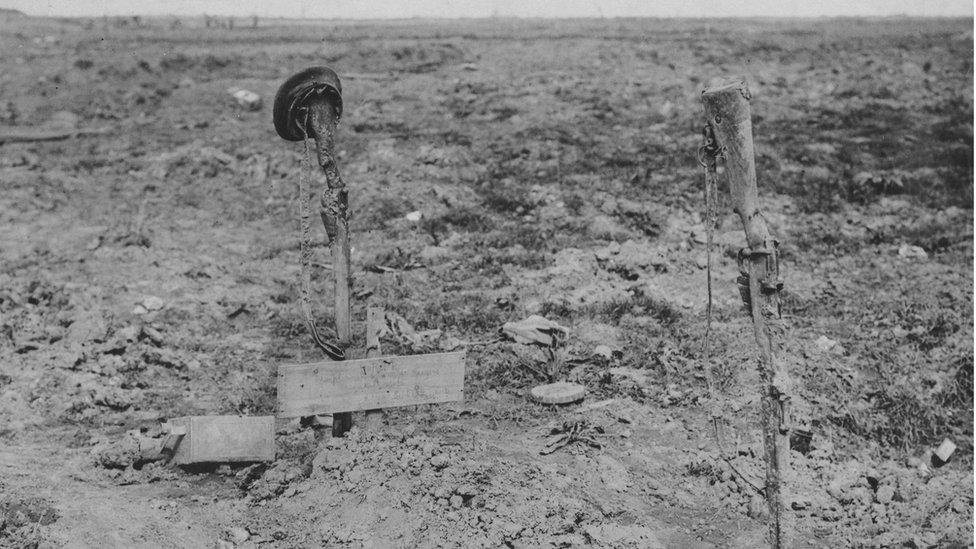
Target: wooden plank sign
367, 384
223, 439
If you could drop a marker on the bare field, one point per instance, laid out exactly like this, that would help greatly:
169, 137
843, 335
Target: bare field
152, 271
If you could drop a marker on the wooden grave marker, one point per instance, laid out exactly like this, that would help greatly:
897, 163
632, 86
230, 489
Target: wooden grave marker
307, 107
368, 384
223, 439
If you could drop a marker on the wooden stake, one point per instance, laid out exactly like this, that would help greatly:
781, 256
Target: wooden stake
335, 217
374, 325
730, 119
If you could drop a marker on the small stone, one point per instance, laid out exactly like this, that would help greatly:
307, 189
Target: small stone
884, 495
909, 251
246, 99
604, 351
861, 494
828, 345
129, 333
800, 504
456, 502
355, 476
238, 535
414, 216
439, 461
945, 450
153, 303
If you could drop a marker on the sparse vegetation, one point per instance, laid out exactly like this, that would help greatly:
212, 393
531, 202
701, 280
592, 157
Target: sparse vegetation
553, 167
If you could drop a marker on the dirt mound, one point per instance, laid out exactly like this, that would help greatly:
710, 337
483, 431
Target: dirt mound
417, 491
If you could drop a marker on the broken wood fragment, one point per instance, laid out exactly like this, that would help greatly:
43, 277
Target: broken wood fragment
32, 135
222, 439
371, 383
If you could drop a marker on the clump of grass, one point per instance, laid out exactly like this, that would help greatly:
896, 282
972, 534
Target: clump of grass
639, 305
383, 209
461, 219
903, 415
506, 197
468, 313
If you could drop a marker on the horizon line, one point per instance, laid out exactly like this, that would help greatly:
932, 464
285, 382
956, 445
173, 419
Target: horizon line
494, 17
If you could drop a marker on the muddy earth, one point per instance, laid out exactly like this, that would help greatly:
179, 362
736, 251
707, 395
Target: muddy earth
497, 169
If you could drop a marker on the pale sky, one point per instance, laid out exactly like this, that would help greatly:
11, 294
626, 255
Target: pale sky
392, 9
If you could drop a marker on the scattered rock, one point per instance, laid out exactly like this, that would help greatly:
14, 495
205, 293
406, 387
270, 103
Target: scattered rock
828, 345
238, 535
604, 351
945, 450
414, 216
439, 461
151, 303
909, 251
884, 495
246, 98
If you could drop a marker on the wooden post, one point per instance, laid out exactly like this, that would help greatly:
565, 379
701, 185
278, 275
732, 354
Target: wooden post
733, 159
335, 217
374, 325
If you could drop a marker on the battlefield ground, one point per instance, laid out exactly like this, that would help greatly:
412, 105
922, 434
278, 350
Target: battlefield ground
497, 169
